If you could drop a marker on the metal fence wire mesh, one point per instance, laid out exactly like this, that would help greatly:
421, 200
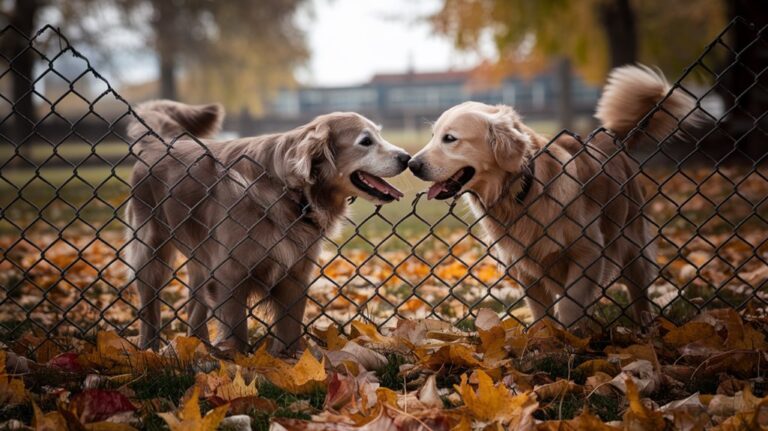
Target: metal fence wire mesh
65, 236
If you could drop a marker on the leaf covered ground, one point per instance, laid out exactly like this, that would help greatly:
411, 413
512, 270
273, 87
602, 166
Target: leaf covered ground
417, 374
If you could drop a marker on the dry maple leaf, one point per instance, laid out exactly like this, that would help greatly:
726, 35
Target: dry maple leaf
11, 390
638, 417
236, 388
185, 349
52, 421
496, 403
693, 332
190, 419
116, 355
307, 375
366, 333
582, 422
333, 339
455, 354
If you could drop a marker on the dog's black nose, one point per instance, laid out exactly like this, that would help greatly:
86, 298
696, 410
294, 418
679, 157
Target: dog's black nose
416, 166
403, 159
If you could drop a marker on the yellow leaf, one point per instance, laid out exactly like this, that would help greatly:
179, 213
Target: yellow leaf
187, 349
556, 389
592, 366
386, 396
370, 335
189, 418
492, 343
496, 403
237, 388
116, 355
332, 338
52, 421
455, 354
546, 328
11, 390
306, 376
638, 417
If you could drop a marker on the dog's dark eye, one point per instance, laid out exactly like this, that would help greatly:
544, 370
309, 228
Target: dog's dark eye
366, 142
449, 138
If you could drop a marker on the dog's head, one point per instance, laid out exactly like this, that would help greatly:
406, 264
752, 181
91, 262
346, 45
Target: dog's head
345, 151
474, 147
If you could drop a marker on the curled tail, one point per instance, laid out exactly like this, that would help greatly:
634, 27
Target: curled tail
171, 119
632, 92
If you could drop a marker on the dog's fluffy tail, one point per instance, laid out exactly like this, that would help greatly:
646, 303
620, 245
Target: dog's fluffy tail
171, 119
632, 92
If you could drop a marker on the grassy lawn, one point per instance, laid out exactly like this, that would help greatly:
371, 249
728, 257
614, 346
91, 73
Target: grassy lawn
91, 193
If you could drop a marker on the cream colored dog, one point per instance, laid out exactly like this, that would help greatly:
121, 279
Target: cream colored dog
565, 218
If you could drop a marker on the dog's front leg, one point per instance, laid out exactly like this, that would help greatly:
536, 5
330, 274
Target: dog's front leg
197, 311
232, 317
582, 283
289, 301
537, 297
152, 273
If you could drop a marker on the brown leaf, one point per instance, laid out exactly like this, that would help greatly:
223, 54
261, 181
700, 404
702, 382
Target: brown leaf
455, 354
556, 389
584, 421
638, 417
693, 332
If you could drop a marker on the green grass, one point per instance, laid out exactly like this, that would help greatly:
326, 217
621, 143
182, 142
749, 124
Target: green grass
571, 405
260, 419
558, 366
166, 383
389, 375
285, 399
73, 151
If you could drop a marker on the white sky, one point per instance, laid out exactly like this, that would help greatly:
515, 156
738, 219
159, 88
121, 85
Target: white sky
350, 40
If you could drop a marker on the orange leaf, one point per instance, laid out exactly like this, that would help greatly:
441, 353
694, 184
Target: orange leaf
306, 376
496, 403
638, 417
189, 418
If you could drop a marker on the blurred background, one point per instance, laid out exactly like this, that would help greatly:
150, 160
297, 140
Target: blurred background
275, 64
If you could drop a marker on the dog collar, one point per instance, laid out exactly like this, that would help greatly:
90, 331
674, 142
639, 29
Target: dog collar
526, 177
304, 208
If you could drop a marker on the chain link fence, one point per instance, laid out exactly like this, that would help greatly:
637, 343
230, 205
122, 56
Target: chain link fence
66, 232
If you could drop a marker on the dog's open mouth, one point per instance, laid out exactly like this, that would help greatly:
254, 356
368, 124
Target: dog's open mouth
375, 186
451, 186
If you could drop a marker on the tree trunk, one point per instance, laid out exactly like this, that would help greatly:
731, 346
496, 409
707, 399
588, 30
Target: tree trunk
15, 47
746, 123
167, 75
166, 44
565, 93
618, 21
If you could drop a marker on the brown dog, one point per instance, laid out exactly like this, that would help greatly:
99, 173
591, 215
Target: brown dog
247, 214
564, 218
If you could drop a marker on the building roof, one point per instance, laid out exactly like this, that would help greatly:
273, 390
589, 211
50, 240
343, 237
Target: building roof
400, 78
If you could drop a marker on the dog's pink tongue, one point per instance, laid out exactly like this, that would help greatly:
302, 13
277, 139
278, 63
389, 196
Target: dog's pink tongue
382, 185
435, 189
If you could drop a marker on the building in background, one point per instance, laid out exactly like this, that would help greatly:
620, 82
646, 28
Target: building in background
410, 100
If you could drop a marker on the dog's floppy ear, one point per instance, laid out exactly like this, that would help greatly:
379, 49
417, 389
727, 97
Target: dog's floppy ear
313, 144
509, 143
